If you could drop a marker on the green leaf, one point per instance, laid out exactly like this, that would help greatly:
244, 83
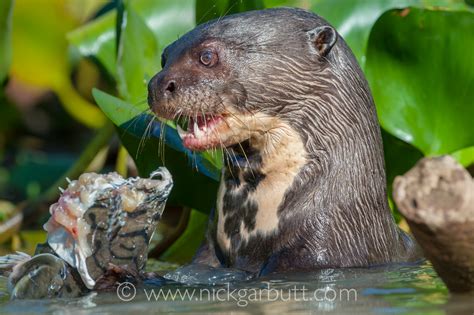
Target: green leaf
354, 18
465, 156
6, 7
212, 9
41, 57
166, 19
400, 157
117, 110
184, 248
97, 40
304, 4
422, 76
138, 58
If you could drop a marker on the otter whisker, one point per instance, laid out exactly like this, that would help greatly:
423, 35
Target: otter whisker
244, 125
134, 121
206, 14
227, 153
162, 141
141, 102
215, 131
146, 134
227, 12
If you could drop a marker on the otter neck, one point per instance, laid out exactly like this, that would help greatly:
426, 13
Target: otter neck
258, 174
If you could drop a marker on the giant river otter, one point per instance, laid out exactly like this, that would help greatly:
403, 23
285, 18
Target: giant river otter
303, 185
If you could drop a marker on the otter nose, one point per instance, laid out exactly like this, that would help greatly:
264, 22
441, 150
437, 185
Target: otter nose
160, 87
170, 87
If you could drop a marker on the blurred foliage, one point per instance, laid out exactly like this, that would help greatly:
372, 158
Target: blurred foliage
6, 9
185, 246
417, 55
41, 56
166, 19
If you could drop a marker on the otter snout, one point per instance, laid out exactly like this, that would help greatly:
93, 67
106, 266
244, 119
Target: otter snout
160, 88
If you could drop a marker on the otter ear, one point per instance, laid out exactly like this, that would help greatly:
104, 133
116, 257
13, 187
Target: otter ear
322, 39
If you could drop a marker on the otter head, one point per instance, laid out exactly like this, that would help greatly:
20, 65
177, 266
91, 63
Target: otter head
243, 77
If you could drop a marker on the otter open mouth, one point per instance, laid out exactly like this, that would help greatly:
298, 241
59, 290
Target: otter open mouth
210, 131
202, 132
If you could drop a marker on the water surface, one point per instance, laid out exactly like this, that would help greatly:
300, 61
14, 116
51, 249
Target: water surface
394, 290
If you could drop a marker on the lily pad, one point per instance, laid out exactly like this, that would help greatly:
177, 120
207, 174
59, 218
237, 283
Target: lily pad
354, 18
422, 76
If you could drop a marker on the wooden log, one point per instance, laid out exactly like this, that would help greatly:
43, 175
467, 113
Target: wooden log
437, 198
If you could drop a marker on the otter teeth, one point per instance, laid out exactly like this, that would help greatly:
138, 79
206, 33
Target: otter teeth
180, 131
197, 132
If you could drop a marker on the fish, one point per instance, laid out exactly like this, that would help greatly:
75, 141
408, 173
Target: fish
99, 230
42, 276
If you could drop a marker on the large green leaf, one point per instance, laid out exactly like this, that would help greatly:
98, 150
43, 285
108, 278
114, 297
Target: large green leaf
97, 40
465, 156
304, 4
117, 110
354, 18
212, 9
6, 7
167, 20
138, 58
422, 76
400, 157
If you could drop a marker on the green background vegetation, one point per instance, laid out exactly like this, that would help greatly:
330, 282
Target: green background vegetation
83, 67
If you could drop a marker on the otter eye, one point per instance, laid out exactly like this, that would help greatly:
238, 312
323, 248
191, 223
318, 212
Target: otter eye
208, 58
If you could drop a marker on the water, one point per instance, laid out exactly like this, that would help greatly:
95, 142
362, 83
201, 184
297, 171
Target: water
394, 290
